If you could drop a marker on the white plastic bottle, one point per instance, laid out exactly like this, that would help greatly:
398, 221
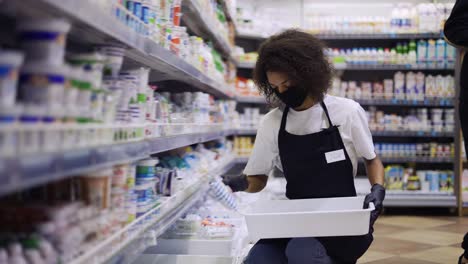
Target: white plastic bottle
3, 256
16, 254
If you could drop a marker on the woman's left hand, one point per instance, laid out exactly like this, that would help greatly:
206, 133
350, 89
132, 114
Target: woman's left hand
376, 196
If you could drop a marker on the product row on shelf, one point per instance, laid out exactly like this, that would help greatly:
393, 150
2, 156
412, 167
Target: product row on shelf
412, 87
409, 179
402, 18
74, 215
186, 58
160, 21
418, 120
425, 54
243, 146
415, 150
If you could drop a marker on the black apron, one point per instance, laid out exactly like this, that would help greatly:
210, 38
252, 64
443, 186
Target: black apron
309, 175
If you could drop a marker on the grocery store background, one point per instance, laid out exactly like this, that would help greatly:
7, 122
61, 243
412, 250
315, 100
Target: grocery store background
118, 119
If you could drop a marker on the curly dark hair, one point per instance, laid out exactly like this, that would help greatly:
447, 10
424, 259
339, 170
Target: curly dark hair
297, 54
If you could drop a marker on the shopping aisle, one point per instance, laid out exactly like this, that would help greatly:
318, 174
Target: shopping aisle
416, 240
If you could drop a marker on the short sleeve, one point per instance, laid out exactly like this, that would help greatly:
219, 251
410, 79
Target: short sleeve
361, 135
265, 149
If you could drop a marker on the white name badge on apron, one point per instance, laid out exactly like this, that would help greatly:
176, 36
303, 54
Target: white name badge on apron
335, 156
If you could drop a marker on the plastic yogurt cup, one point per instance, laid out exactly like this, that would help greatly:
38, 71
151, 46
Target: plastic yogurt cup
9, 68
44, 40
42, 85
113, 59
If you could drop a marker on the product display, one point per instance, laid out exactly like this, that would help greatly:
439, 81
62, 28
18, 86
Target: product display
400, 178
74, 214
403, 18
439, 120
160, 22
243, 146
412, 87
246, 87
408, 150
424, 54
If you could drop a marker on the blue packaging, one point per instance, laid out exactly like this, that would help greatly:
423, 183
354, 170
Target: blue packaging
145, 14
137, 9
433, 178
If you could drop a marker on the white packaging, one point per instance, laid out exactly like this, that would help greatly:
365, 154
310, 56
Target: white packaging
431, 52
430, 87
44, 40
9, 63
411, 93
419, 88
399, 91
42, 85
311, 218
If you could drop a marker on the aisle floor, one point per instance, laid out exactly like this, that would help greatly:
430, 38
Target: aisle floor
416, 240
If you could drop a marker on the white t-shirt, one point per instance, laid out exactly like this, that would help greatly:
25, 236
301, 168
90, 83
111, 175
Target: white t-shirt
346, 113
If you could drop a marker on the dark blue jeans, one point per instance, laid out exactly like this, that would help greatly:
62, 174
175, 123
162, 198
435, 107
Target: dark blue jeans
306, 250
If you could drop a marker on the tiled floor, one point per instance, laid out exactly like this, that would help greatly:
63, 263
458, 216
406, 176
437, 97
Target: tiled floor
416, 240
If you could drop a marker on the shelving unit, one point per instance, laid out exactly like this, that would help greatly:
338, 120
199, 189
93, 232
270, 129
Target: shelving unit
251, 99
94, 26
203, 26
32, 170
251, 65
118, 247
255, 36
436, 102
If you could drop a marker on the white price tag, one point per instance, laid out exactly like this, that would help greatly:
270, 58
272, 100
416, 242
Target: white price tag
334, 156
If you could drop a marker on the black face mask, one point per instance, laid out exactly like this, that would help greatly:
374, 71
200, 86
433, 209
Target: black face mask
293, 97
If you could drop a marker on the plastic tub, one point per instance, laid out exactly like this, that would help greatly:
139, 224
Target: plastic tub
44, 40
9, 65
42, 85
92, 64
113, 59
182, 259
308, 218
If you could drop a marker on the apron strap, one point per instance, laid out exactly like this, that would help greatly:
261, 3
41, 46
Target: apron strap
326, 113
283, 119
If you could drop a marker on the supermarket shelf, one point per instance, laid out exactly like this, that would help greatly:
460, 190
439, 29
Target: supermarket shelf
204, 26
15, 173
245, 65
161, 144
419, 199
251, 99
242, 160
246, 132
251, 65
436, 102
390, 68
412, 134
242, 33
120, 247
230, 14
399, 198
253, 35
378, 36
92, 25
417, 160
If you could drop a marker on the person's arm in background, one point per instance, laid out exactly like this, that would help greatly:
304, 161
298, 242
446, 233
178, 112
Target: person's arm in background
364, 145
375, 171
254, 178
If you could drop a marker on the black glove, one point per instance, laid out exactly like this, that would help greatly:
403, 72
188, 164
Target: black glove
376, 196
237, 183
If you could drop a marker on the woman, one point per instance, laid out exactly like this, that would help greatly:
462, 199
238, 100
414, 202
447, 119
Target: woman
315, 139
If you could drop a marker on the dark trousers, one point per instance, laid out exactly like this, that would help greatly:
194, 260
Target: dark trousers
288, 251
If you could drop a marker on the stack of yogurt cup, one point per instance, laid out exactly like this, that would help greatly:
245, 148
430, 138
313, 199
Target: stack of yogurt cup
145, 185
